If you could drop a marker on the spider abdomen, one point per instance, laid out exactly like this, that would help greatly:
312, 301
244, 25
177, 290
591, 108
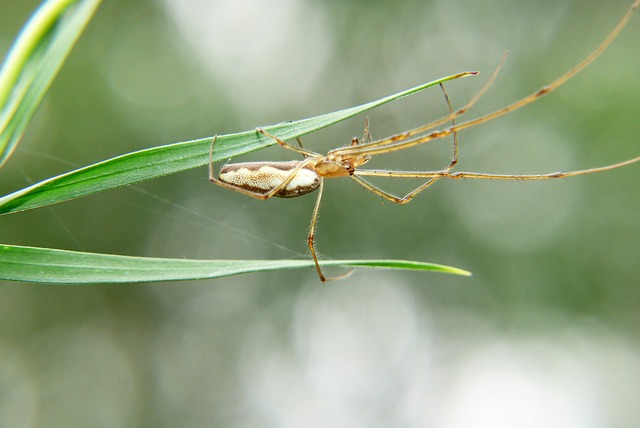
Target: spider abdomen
260, 177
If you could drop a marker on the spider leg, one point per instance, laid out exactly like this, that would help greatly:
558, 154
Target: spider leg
306, 153
366, 135
390, 196
301, 146
454, 161
456, 175
311, 240
435, 175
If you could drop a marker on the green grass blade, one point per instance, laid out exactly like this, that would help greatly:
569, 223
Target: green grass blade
50, 266
169, 159
33, 62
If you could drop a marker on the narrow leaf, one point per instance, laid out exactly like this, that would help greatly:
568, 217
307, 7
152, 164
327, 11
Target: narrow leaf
50, 266
34, 61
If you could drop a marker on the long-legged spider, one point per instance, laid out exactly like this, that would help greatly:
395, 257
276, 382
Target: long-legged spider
263, 180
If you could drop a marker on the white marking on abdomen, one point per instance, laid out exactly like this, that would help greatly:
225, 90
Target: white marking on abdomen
261, 177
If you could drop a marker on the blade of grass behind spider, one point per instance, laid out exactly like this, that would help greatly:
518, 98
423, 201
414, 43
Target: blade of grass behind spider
170, 159
33, 62
50, 266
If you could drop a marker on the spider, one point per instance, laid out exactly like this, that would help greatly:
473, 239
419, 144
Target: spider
263, 180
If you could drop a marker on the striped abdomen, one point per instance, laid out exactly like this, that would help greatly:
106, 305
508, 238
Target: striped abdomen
260, 177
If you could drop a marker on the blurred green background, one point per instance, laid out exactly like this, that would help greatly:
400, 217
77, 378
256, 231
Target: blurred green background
544, 334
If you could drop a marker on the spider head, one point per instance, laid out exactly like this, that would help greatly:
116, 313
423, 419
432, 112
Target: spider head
348, 162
